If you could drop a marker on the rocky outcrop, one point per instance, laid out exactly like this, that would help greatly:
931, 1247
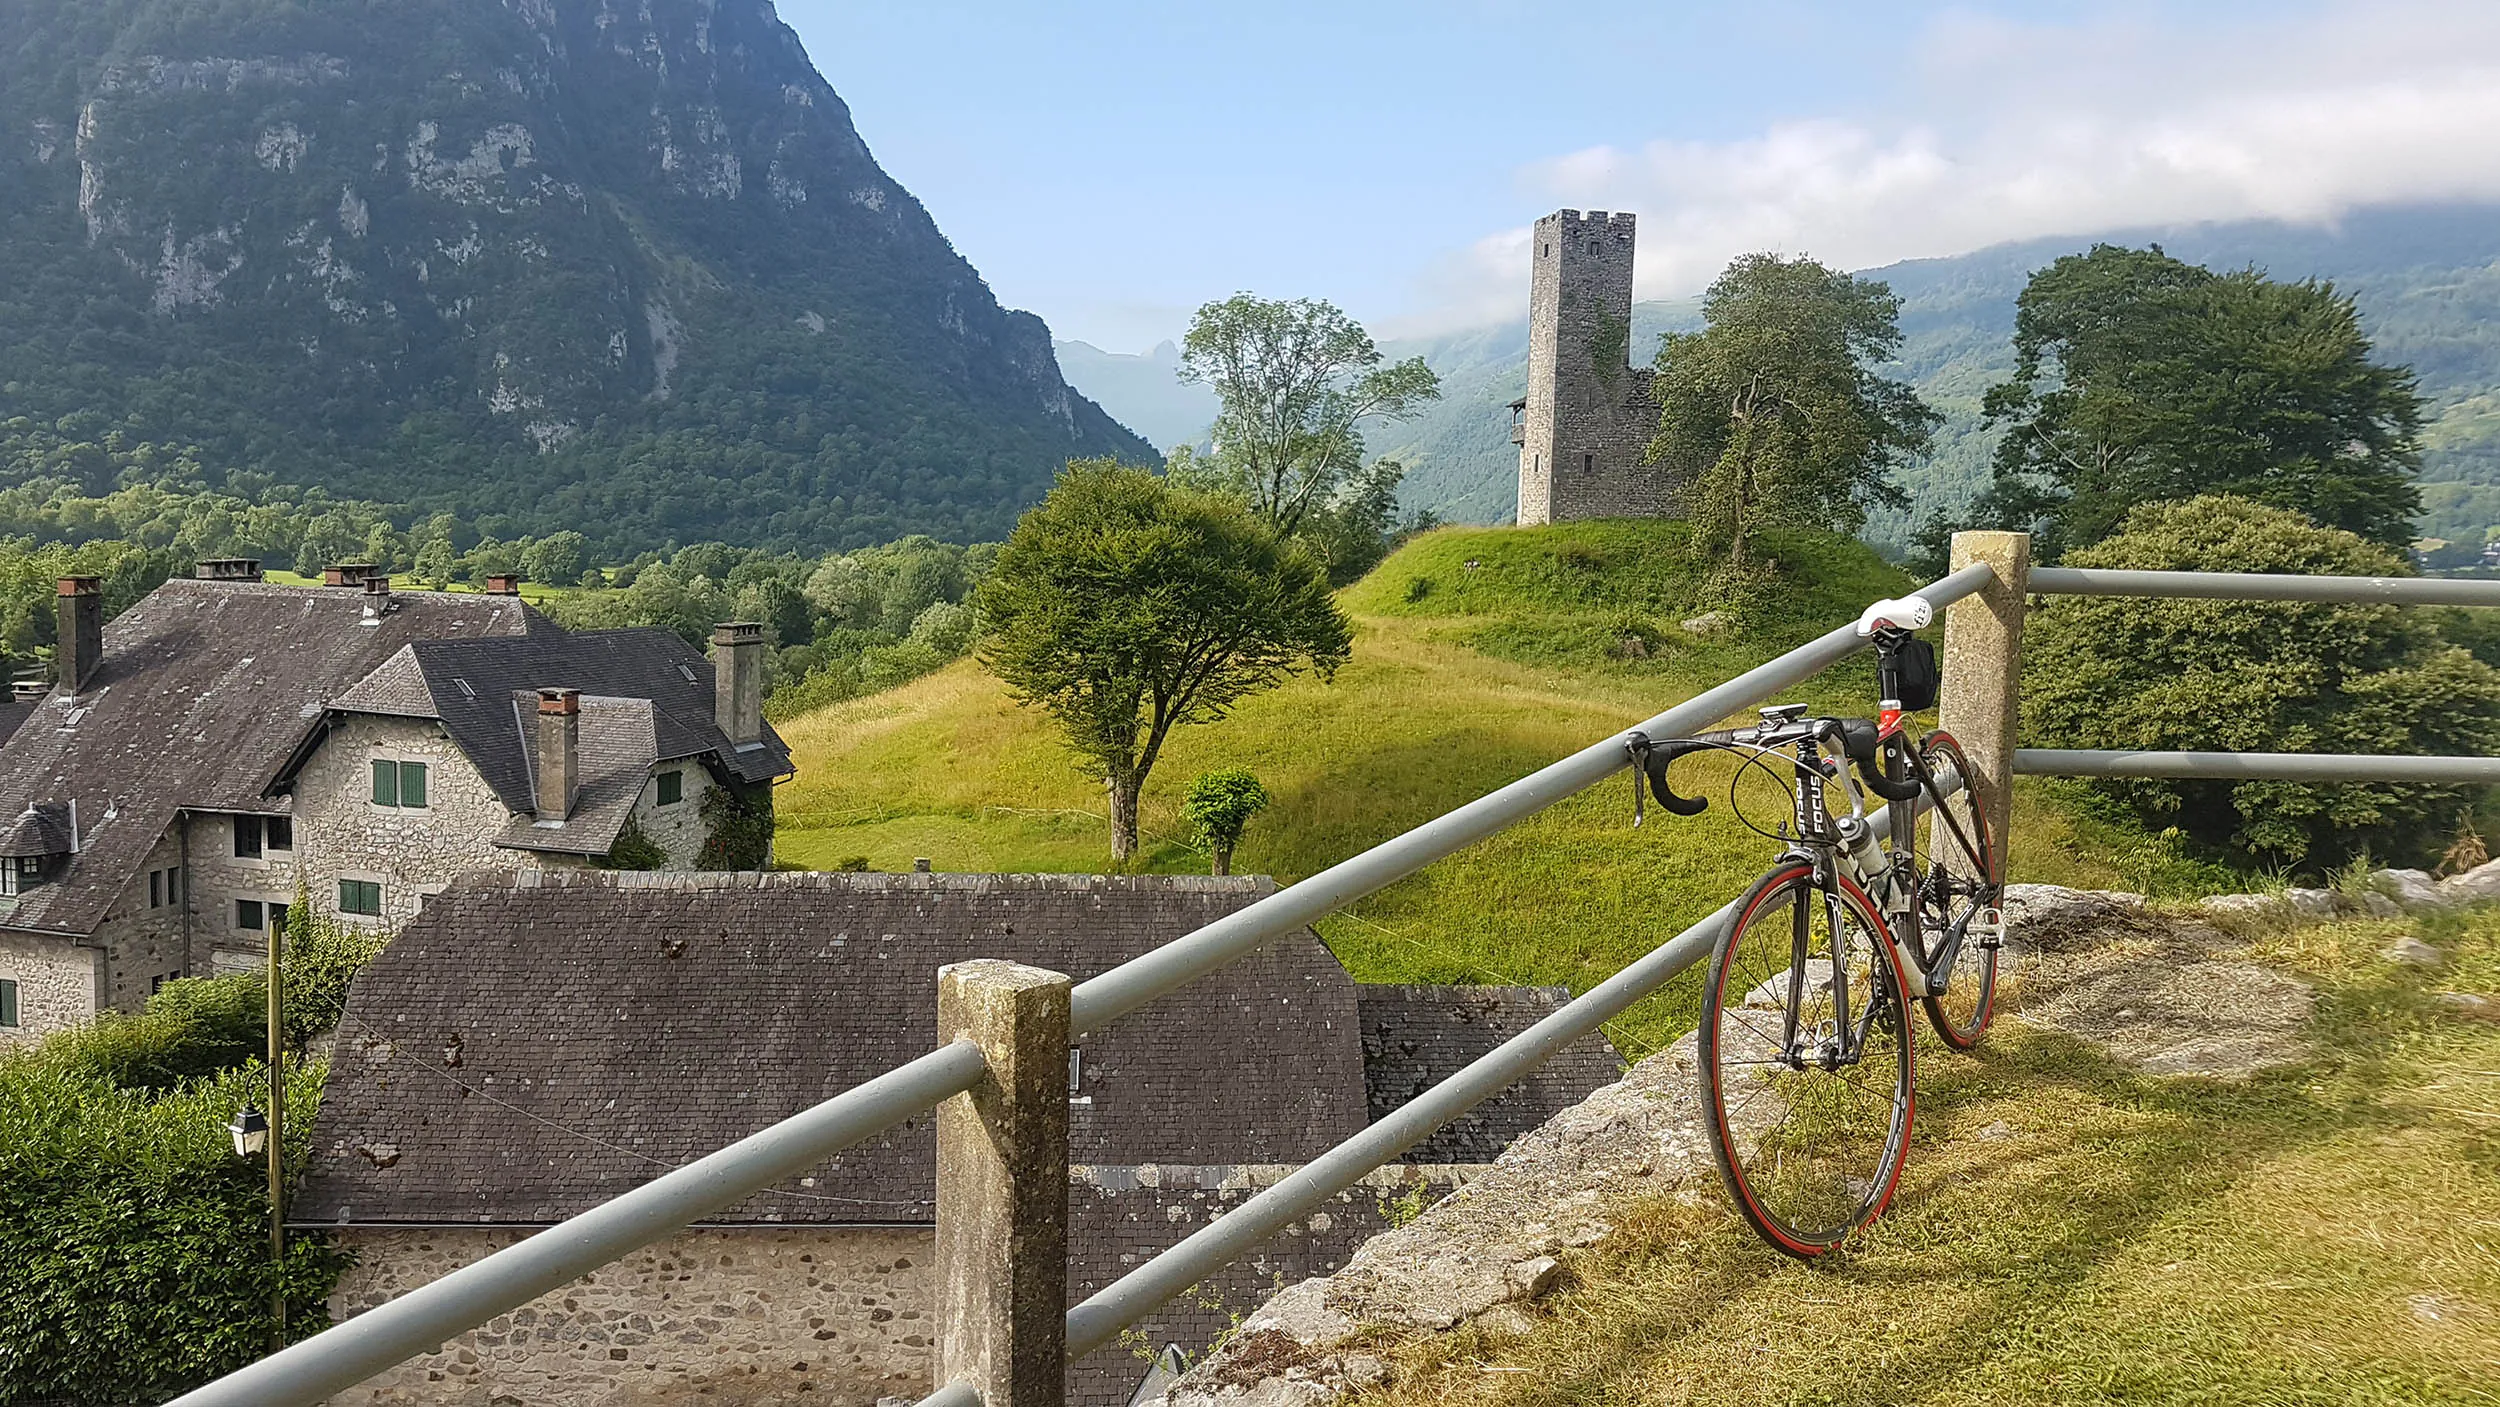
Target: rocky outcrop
2163, 994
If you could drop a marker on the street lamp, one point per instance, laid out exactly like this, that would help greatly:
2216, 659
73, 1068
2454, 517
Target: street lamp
250, 1128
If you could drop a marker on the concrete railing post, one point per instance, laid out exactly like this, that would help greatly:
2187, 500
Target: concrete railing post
1002, 1187
1983, 671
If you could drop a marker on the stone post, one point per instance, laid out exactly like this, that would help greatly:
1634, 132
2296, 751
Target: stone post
1983, 669
1002, 1187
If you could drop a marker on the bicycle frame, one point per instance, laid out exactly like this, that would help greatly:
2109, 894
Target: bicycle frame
1824, 842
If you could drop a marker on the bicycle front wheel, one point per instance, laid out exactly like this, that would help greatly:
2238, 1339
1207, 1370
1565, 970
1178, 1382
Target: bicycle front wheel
1805, 1061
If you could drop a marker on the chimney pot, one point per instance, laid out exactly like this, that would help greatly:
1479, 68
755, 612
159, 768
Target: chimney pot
80, 646
346, 573
228, 569
738, 680
503, 584
559, 751
377, 586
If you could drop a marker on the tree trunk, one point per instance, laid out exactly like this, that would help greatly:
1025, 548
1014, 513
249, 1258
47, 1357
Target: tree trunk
1223, 859
1123, 818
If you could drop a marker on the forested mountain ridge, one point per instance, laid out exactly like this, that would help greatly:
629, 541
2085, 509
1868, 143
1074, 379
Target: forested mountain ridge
2427, 281
626, 268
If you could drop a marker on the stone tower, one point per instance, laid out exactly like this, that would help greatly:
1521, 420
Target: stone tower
1589, 414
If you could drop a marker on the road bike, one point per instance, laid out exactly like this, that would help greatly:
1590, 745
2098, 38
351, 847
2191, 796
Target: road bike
1804, 1043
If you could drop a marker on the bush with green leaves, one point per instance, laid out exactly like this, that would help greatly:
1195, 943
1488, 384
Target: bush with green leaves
2272, 676
1219, 806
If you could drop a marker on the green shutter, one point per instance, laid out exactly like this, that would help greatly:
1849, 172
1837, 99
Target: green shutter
8, 1002
412, 784
359, 896
672, 788
386, 784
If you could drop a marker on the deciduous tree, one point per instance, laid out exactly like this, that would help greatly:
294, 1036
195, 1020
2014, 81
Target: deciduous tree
2139, 378
1127, 606
1294, 380
1772, 411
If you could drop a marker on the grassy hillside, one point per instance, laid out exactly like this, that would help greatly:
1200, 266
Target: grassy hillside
1480, 655
2071, 1231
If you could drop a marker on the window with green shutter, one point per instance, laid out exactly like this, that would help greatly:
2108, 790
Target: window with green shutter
672, 788
385, 783
412, 784
8, 1002
394, 784
360, 896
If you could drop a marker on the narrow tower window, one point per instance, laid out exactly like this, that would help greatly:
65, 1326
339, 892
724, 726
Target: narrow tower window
1588, 464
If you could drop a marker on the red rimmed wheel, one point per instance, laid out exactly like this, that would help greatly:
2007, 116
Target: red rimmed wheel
1806, 1062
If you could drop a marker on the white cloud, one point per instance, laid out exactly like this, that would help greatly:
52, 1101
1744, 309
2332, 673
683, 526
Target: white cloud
2014, 131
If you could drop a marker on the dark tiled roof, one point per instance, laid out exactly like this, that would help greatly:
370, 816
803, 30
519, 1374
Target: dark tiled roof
1415, 1037
204, 690
616, 747
533, 1044
40, 829
471, 684
13, 711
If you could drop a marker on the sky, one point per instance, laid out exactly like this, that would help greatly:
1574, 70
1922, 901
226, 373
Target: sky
1112, 165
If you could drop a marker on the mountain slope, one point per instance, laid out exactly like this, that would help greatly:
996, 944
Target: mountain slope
1153, 399
626, 267
2428, 281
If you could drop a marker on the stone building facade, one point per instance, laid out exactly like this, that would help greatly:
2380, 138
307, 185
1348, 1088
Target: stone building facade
216, 752
1584, 428
622, 1024
834, 1316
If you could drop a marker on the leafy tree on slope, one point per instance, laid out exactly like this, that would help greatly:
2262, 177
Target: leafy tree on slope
1127, 606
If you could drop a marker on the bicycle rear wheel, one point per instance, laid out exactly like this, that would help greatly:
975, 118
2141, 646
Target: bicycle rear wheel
1808, 1129
1957, 879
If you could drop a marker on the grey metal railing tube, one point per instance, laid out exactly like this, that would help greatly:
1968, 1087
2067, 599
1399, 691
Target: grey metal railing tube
953, 1395
1140, 980
1133, 1296
346, 1354
2261, 586
2272, 766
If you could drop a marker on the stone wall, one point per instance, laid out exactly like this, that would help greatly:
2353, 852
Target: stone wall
679, 827
58, 985
341, 834
831, 1316
144, 944
1590, 414
822, 1316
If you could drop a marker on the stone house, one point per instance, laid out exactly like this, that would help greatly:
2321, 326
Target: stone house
225, 745
537, 1042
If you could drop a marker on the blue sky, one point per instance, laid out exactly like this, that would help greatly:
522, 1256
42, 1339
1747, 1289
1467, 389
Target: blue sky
1111, 166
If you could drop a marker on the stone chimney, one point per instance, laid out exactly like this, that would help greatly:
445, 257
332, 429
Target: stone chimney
503, 583
346, 573
738, 680
559, 751
81, 643
228, 569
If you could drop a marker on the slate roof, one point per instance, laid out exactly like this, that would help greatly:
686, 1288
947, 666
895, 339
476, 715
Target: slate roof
532, 1044
203, 692
1414, 1037
647, 696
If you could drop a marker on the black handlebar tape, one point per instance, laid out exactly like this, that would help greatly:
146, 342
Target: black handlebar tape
1660, 756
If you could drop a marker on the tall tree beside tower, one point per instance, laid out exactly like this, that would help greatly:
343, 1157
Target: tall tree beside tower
1772, 413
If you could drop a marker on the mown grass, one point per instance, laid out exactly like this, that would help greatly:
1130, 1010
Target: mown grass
530, 591
2068, 1231
1519, 661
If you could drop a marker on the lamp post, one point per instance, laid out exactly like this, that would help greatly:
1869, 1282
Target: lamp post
258, 1133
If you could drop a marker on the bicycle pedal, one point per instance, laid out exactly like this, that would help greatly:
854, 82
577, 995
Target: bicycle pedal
1989, 924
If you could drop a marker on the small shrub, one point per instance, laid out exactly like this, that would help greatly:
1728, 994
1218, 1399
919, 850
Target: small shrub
1417, 588
1219, 806
634, 850
852, 864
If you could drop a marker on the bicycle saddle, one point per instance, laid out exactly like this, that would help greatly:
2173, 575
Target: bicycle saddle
1907, 613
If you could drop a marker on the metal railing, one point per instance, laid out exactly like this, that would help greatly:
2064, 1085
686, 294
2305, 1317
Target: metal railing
424, 1318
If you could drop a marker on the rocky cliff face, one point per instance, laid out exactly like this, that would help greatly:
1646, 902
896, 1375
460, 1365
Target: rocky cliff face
588, 259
